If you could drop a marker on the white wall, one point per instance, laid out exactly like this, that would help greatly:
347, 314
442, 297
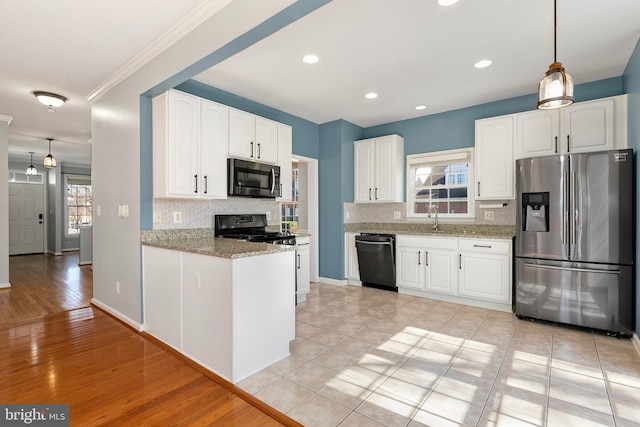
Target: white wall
116, 153
4, 200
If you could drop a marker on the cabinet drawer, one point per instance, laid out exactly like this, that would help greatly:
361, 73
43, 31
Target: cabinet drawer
427, 242
489, 246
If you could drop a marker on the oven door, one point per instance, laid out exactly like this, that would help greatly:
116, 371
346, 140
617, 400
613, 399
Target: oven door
252, 179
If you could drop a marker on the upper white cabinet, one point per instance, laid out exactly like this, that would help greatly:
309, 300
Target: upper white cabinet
189, 146
494, 171
252, 137
379, 170
285, 140
581, 127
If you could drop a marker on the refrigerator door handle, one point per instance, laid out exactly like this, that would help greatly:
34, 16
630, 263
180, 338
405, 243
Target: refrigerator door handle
583, 270
563, 186
573, 208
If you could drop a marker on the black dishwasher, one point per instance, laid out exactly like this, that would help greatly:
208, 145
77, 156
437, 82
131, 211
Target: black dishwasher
377, 260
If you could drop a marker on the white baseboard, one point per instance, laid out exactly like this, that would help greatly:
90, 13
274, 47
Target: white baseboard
54, 253
129, 321
636, 342
5, 285
332, 281
71, 250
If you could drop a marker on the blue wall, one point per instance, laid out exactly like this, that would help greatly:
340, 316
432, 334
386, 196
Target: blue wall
631, 80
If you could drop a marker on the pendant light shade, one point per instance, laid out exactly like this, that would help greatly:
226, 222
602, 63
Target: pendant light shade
555, 90
31, 170
49, 162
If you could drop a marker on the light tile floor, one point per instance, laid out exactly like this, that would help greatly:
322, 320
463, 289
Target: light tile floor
366, 357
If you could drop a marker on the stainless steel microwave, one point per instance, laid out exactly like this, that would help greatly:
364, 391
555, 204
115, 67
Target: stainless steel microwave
253, 179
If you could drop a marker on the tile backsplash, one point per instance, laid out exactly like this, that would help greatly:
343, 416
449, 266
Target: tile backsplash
384, 213
199, 213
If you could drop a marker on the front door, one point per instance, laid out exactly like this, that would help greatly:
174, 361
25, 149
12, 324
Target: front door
26, 223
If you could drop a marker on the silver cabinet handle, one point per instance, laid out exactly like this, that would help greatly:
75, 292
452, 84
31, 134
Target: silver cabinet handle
426, 258
482, 246
258, 150
460, 261
376, 193
206, 185
195, 179
419, 252
556, 146
369, 194
478, 188
251, 148
298, 262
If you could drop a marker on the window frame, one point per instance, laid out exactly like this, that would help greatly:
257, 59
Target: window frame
80, 180
439, 157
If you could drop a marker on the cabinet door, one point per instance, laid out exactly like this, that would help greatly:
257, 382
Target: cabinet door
352, 270
161, 291
364, 170
241, 135
537, 133
302, 271
284, 161
494, 158
440, 271
386, 170
183, 144
213, 180
409, 267
485, 276
266, 142
588, 126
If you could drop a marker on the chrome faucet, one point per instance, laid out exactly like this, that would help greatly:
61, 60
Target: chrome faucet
435, 221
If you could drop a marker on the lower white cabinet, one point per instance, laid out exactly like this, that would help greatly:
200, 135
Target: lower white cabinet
232, 316
352, 271
464, 270
302, 269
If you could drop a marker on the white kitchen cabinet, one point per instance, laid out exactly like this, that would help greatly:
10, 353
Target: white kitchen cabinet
189, 146
285, 139
302, 269
379, 170
485, 269
426, 263
352, 271
252, 137
494, 161
582, 127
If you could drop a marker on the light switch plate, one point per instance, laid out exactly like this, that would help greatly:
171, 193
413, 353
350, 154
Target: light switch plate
268, 215
177, 217
157, 217
397, 215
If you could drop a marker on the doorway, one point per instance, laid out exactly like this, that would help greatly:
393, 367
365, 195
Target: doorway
26, 223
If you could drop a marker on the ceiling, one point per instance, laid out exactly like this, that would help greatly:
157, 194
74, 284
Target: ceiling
410, 52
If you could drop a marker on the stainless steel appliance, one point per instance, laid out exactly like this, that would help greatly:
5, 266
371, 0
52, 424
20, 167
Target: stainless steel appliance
250, 227
377, 260
574, 239
253, 179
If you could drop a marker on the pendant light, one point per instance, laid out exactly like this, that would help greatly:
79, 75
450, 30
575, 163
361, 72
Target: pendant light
555, 90
31, 170
49, 162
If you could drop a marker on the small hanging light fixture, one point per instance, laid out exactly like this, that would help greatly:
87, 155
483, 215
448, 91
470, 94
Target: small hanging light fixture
31, 170
555, 90
49, 162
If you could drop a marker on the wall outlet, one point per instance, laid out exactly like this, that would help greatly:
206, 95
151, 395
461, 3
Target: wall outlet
346, 215
177, 217
397, 215
196, 280
157, 217
488, 215
268, 215
117, 287
123, 211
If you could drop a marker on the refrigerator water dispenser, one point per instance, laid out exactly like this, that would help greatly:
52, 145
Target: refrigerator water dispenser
535, 209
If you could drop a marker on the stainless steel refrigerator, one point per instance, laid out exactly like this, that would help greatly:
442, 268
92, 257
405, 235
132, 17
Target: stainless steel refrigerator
575, 239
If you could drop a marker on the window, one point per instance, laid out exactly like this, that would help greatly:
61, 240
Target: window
78, 203
443, 181
290, 209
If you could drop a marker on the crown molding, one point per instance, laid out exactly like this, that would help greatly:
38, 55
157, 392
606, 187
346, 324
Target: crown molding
182, 28
4, 118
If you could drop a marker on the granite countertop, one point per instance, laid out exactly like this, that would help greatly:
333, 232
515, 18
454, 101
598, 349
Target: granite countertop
445, 230
201, 241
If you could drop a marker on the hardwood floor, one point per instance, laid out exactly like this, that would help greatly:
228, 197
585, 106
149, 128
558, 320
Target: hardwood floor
43, 284
55, 352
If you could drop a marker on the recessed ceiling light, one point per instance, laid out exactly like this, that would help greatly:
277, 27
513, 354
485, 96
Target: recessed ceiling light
420, 107
483, 64
446, 2
371, 95
310, 59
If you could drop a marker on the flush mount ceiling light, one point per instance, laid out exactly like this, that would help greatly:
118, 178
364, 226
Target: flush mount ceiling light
49, 162
51, 100
482, 64
371, 95
555, 90
31, 170
310, 59
446, 2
